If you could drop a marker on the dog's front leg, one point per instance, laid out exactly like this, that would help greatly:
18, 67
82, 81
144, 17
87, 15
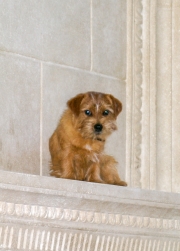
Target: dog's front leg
68, 167
93, 174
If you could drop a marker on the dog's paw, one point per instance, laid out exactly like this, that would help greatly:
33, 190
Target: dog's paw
122, 183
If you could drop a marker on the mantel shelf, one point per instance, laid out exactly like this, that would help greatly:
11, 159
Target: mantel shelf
81, 214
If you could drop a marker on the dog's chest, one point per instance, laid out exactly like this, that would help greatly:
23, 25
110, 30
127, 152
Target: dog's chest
91, 155
94, 157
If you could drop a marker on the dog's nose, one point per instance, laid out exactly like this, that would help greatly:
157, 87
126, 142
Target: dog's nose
98, 127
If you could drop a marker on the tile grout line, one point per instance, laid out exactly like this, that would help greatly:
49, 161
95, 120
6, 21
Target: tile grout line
61, 65
91, 33
41, 114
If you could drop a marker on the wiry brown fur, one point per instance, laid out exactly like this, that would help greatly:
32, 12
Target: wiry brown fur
77, 148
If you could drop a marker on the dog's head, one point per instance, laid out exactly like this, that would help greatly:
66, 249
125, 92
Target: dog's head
95, 114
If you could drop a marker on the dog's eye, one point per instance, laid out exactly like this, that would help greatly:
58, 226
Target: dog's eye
88, 113
105, 113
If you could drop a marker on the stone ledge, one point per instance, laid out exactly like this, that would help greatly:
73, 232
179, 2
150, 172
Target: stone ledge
45, 213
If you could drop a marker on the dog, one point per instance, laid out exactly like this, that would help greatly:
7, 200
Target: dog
77, 144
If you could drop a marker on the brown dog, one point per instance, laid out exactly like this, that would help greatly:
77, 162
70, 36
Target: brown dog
77, 144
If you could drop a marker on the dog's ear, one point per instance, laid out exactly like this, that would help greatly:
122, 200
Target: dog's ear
117, 105
74, 103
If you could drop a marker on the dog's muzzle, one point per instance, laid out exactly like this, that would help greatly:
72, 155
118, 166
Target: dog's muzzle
98, 128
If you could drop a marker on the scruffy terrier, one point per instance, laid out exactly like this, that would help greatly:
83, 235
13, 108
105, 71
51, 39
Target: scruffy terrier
77, 144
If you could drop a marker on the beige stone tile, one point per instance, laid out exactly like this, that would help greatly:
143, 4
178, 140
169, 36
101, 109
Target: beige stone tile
66, 32
109, 37
57, 31
21, 23
59, 85
47, 30
19, 109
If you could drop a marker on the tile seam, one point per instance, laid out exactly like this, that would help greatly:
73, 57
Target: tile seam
62, 66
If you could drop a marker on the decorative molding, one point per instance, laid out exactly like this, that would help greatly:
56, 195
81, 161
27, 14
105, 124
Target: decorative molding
152, 95
137, 95
45, 213
148, 170
41, 239
112, 219
134, 91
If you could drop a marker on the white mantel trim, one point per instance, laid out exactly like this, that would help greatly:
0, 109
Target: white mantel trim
34, 209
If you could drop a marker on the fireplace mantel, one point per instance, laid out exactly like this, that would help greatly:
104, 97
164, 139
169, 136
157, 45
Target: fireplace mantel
45, 213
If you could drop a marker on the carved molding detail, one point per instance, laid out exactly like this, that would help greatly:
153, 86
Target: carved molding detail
134, 90
43, 213
58, 214
13, 238
137, 79
152, 129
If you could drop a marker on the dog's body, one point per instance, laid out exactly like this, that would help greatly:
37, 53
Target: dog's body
77, 144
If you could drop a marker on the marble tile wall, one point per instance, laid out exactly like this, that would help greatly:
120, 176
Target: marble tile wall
49, 52
19, 109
